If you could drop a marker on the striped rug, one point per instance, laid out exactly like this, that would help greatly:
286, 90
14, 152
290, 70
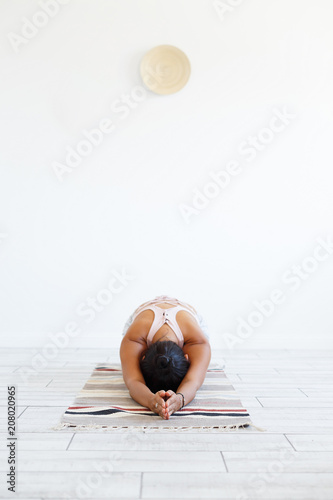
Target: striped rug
104, 402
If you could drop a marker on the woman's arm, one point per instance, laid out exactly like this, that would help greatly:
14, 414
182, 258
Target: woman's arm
130, 353
199, 353
199, 356
140, 392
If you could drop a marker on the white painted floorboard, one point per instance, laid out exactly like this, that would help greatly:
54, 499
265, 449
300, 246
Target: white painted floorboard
288, 393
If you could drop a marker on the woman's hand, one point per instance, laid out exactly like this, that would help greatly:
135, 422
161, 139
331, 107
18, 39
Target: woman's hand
173, 403
168, 402
158, 404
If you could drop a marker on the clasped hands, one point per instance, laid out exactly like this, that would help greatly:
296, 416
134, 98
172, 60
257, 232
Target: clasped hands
167, 403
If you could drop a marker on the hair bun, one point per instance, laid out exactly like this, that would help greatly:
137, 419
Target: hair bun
162, 361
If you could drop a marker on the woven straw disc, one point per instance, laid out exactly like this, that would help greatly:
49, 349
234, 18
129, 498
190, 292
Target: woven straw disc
165, 69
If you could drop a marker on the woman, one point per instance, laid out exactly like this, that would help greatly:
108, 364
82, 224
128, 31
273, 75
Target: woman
164, 354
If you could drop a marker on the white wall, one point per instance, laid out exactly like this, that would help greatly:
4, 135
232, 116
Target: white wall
120, 208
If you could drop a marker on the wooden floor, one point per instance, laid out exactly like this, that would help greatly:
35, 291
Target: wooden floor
288, 393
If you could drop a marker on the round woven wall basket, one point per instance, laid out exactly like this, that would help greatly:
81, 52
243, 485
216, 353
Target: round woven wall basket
165, 69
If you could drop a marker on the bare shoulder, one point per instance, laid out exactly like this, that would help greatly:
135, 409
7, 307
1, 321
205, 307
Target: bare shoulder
137, 332
191, 330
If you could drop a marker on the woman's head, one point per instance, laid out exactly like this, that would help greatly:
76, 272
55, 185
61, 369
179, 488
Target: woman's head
164, 366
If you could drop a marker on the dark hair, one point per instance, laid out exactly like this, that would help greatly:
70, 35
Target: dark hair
164, 366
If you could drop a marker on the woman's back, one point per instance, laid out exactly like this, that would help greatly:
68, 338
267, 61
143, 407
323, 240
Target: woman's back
164, 318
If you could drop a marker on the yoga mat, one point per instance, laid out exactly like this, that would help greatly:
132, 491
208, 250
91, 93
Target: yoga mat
104, 402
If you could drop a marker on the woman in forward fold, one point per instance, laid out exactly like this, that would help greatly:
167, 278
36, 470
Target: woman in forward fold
164, 354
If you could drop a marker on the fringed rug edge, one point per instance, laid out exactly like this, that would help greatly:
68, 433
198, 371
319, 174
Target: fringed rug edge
140, 428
